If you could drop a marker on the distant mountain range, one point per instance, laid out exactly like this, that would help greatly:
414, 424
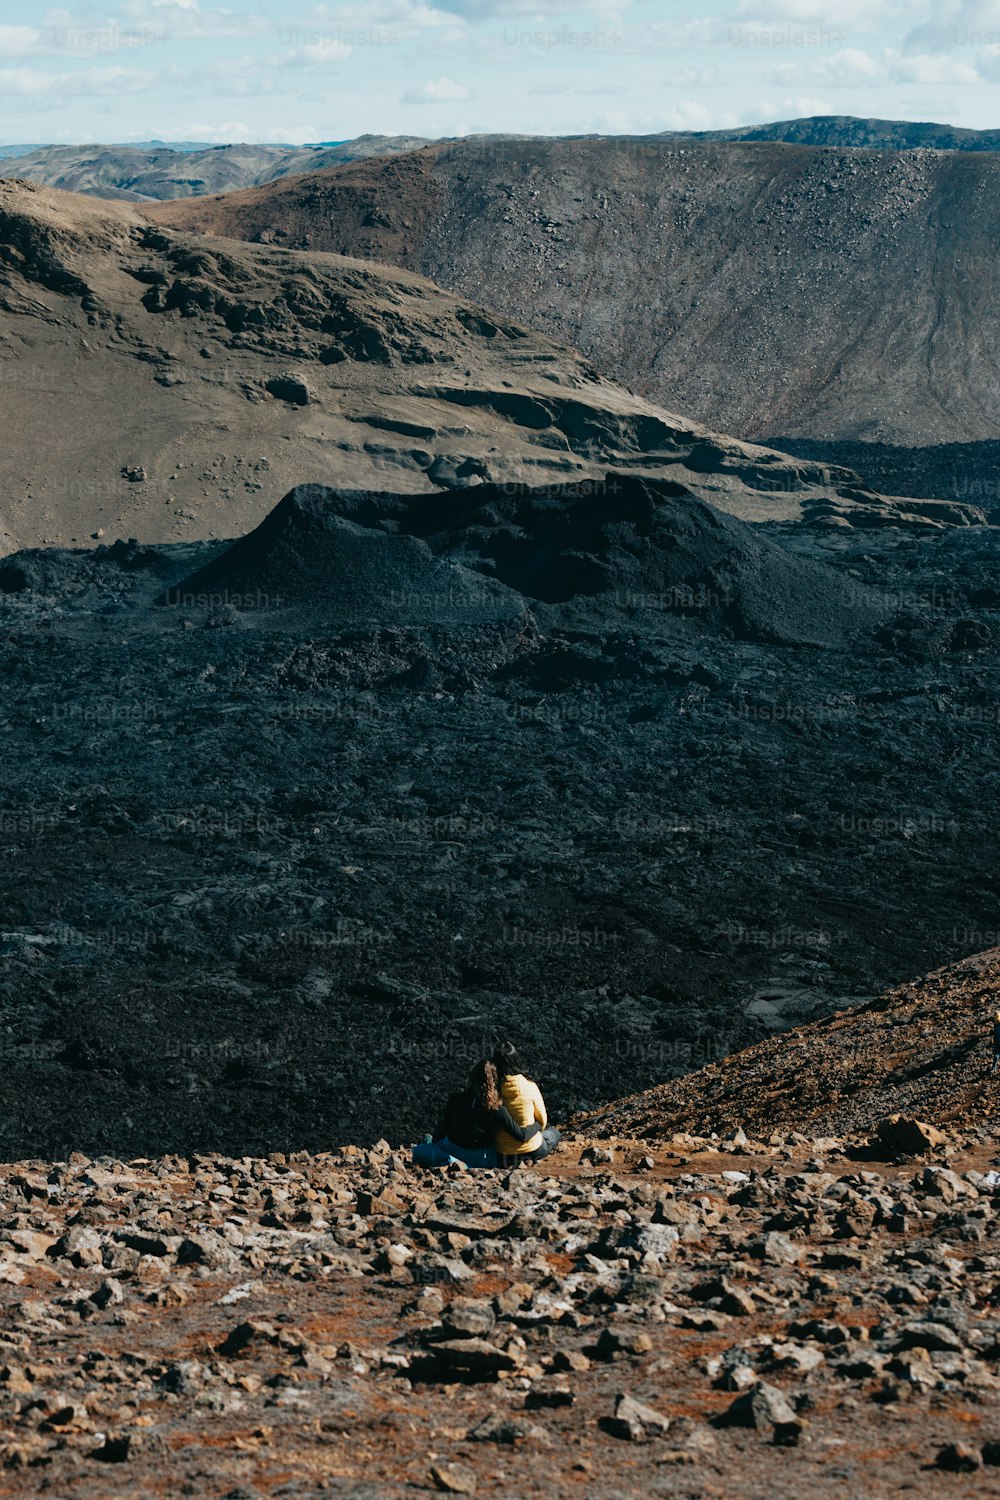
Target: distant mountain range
150, 171
157, 145
849, 130
140, 171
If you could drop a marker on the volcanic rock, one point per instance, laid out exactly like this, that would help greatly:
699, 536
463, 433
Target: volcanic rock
907, 1136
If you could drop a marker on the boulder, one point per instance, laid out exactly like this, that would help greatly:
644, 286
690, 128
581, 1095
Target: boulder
903, 1135
765, 1407
635, 1422
959, 1458
475, 1356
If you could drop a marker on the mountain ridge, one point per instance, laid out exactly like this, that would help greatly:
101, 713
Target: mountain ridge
771, 290
204, 376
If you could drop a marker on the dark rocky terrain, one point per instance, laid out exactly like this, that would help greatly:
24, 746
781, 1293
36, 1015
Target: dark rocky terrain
967, 473
769, 290
600, 766
145, 174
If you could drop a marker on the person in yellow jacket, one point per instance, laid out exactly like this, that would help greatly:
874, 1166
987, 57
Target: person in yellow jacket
523, 1098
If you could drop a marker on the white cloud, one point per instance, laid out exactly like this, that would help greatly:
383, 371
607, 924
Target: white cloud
238, 131
488, 10
683, 34
963, 23
437, 91
792, 107
828, 14
846, 68
693, 77
688, 114
32, 83
19, 41
801, 106
318, 54
927, 68
178, 20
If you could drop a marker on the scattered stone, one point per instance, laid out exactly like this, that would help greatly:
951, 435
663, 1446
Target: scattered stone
945, 1184
571, 1359
454, 1478
765, 1407
622, 1341
635, 1422
777, 1249
598, 1156
466, 1318
929, 1335
290, 388
959, 1458
245, 1334
114, 1450
473, 1355
507, 1432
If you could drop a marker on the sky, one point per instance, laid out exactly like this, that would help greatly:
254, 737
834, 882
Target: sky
226, 70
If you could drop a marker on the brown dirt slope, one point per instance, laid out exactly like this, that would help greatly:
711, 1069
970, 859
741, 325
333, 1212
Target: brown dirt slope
768, 289
168, 387
922, 1049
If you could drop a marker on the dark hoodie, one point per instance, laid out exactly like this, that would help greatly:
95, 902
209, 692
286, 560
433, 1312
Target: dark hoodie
467, 1123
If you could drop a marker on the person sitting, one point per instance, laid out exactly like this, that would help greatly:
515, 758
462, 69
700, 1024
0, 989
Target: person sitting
469, 1122
523, 1099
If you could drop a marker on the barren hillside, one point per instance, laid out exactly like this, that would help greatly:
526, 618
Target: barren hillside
923, 1049
164, 387
768, 289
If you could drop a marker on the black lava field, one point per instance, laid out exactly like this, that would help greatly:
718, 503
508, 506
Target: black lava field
292, 827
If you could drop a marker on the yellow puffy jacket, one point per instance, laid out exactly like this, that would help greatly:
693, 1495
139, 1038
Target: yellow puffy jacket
523, 1098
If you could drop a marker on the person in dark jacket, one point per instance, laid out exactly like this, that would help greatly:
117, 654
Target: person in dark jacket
470, 1122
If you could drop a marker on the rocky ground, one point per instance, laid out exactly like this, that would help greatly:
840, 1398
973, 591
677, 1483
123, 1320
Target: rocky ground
770, 1315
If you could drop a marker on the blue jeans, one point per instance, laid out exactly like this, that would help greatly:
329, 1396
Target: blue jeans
550, 1140
440, 1153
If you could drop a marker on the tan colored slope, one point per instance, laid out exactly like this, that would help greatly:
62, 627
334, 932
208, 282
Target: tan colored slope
923, 1049
137, 385
124, 347
767, 289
